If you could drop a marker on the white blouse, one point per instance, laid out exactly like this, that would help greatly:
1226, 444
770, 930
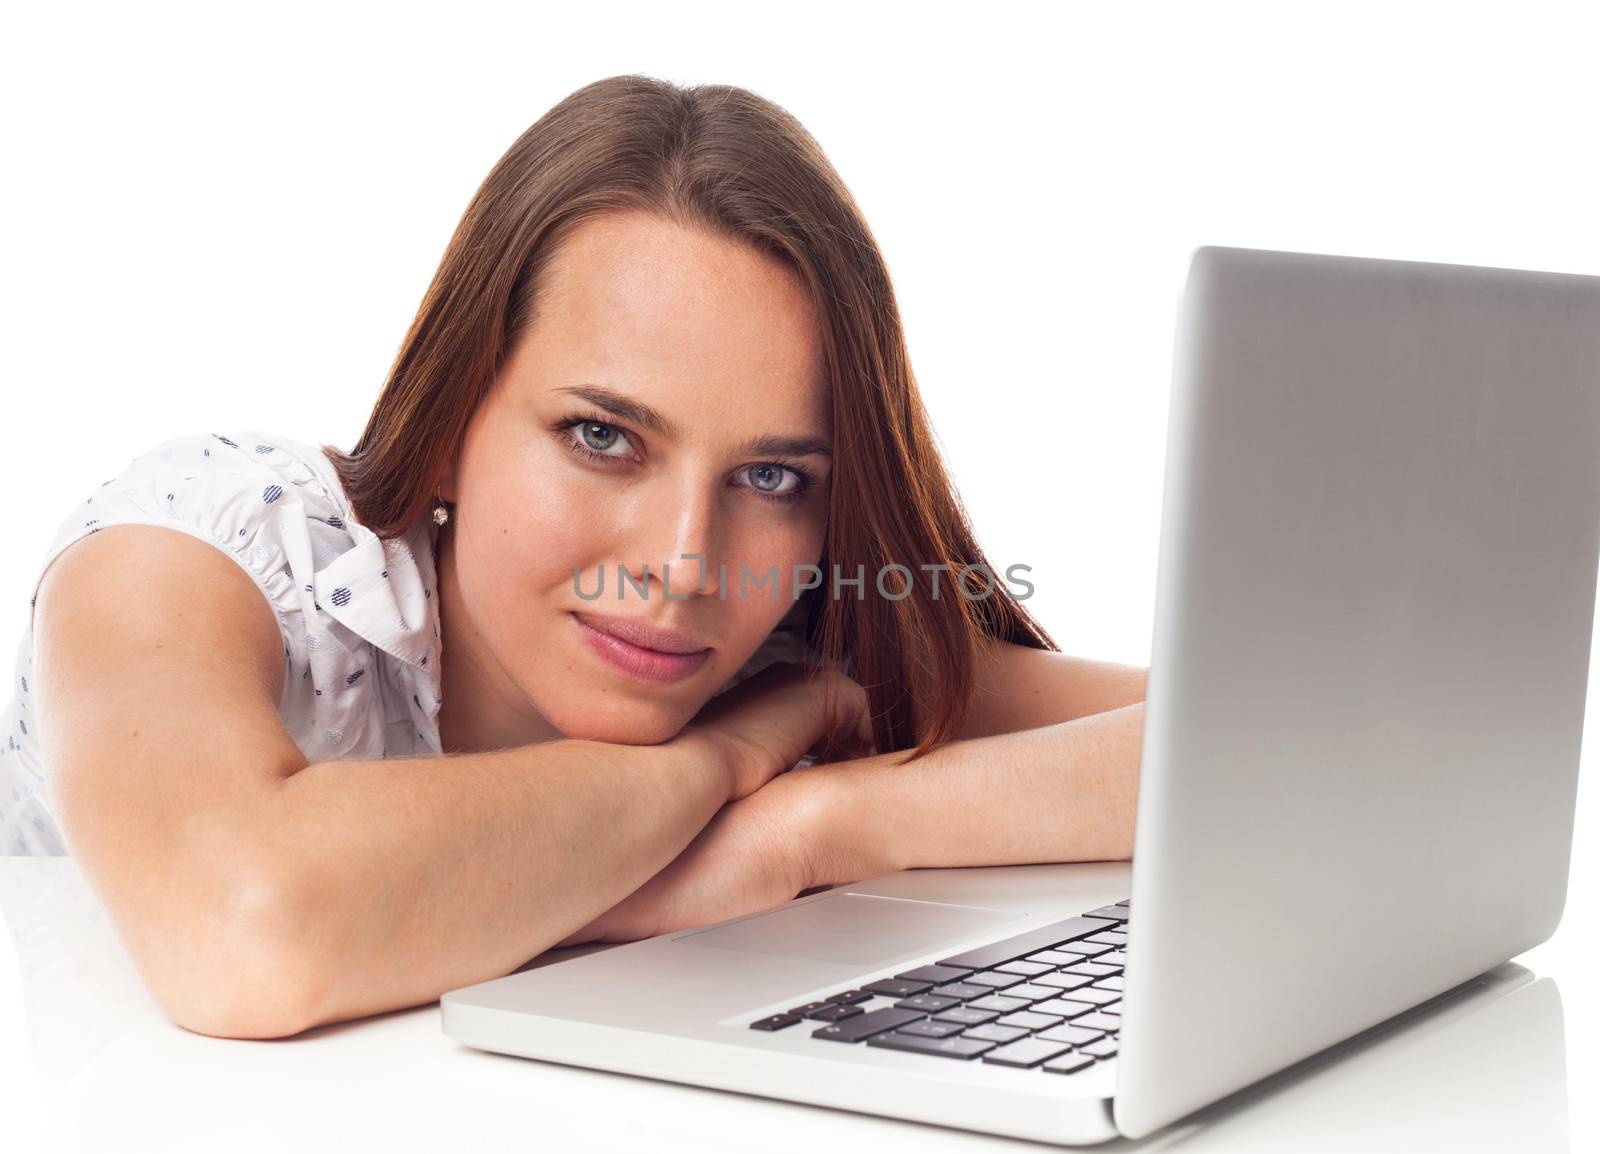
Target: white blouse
358, 615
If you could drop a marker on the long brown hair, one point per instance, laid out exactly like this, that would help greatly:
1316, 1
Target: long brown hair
722, 158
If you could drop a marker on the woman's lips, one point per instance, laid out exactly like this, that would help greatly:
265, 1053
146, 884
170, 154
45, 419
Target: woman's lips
636, 660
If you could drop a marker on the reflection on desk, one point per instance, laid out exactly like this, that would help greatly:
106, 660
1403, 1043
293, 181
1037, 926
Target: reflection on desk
1481, 1068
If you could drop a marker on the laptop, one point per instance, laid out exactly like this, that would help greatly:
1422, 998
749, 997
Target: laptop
1374, 604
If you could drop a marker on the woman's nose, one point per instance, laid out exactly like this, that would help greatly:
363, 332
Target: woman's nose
676, 535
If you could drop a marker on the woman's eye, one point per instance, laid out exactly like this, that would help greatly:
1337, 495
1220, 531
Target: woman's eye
600, 438
599, 441
776, 482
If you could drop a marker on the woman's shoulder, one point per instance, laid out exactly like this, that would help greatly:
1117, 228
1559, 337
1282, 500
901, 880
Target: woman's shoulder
342, 596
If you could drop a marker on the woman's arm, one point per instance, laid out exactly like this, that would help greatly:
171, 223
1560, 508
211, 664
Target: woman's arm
259, 894
1046, 771
1058, 793
1017, 687
1055, 793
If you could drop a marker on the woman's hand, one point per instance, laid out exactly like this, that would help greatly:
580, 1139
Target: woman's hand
767, 723
757, 853
759, 850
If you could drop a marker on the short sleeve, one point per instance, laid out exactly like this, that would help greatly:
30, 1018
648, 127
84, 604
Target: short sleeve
352, 609
207, 485
254, 497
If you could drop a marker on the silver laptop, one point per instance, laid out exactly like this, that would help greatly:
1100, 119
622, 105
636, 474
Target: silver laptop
1374, 605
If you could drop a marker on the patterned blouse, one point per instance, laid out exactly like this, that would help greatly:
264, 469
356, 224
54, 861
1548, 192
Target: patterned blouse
358, 615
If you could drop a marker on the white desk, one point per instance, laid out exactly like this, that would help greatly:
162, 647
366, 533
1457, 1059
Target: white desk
89, 1061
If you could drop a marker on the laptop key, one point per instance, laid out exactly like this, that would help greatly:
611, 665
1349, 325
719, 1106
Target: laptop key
1111, 1008
962, 990
896, 988
802, 1011
992, 978
1068, 1063
833, 1013
1063, 981
776, 1022
1032, 993
1110, 938
1105, 1048
932, 1028
1026, 969
1064, 1007
999, 1002
1025, 1053
1030, 1020
1120, 912
850, 997
867, 1024
1114, 958
1055, 957
1043, 938
928, 1003
970, 1017
1093, 969
995, 1032
1071, 1035
1096, 995
934, 974
1114, 982
953, 1047
1106, 1022
1088, 951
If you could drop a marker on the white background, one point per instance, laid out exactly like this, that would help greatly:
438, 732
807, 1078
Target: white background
224, 217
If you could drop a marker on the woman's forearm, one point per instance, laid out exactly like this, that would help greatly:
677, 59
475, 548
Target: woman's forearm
1058, 793
403, 878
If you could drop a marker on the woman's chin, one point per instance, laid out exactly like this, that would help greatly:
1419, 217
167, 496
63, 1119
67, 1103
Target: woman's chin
637, 724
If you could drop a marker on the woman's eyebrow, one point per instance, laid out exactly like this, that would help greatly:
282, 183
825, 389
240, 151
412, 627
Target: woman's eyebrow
620, 405
775, 445
628, 409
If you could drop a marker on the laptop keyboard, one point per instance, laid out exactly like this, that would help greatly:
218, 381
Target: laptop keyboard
1048, 999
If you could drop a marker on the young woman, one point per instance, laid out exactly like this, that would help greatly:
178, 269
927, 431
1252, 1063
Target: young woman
331, 733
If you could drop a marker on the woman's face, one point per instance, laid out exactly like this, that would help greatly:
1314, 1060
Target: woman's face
623, 433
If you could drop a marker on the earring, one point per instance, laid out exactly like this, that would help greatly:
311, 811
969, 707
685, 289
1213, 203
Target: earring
440, 513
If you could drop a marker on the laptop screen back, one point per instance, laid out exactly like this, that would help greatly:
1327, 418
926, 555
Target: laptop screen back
1375, 599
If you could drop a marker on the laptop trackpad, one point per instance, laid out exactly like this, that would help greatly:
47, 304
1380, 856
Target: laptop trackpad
855, 929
